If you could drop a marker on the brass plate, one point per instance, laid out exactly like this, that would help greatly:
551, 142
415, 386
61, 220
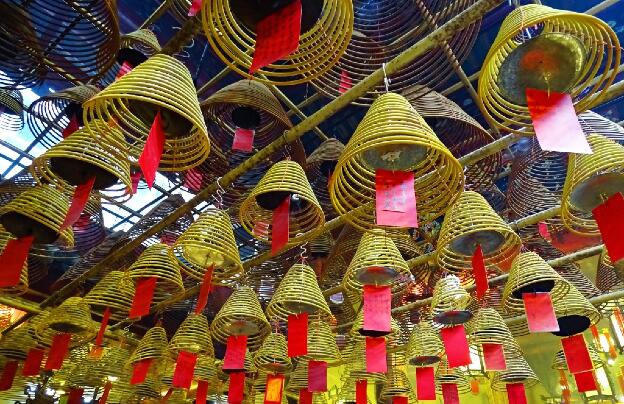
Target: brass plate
489, 240
376, 275
242, 327
399, 157
595, 190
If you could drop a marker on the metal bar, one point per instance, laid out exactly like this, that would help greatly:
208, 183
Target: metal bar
162, 8
305, 102
295, 109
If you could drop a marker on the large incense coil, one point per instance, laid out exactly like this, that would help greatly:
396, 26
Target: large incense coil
285, 179
273, 355
92, 41
447, 375
488, 327
241, 315
424, 347
559, 361
396, 384
115, 291
382, 32
518, 371
321, 343
206, 370
39, 211
193, 336
530, 273
134, 100
574, 313
298, 292
72, 316
22, 285
153, 345
156, 262
246, 104
208, 241
591, 180
16, 343
11, 110
393, 136
45, 335
450, 302
136, 47
98, 152
321, 41
547, 49
469, 223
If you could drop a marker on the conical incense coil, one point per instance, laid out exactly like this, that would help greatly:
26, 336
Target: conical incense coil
193, 336
115, 291
206, 369
559, 360
530, 273
356, 364
246, 104
447, 375
488, 327
22, 285
319, 167
450, 302
396, 384
150, 388
50, 115
298, 292
142, 40
550, 50
134, 100
273, 355
16, 343
392, 136
100, 153
11, 110
113, 361
298, 379
45, 335
72, 316
574, 313
591, 180
471, 222
518, 371
153, 345
424, 347
325, 32
241, 315
156, 262
321, 343
39, 211
208, 241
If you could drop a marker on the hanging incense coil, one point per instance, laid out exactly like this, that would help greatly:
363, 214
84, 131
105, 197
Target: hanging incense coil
11, 110
550, 50
559, 361
40, 212
340, 257
134, 100
156, 262
89, 229
447, 375
153, 345
285, 179
193, 336
137, 46
246, 104
22, 285
45, 335
241, 315
208, 241
321, 343
325, 32
115, 291
396, 384
450, 302
273, 355
488, 327
529, 274
574, 313
16, 343
591, 180
72, 316
424, 347
206, 369
518, 371
469, 223
358, 333
393, 136
608, 276
319, 166
150, 388
356, 364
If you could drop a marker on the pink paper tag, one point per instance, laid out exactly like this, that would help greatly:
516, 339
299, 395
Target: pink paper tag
195, 7
540, 312
317, 376
395, 200
377, 303
542, 228
456, 346
280, 226
479, 273
494, 357
425, 383
235, 352
345, 82
243, 140
376, 355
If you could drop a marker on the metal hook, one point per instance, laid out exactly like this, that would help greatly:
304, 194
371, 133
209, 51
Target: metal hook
386, 79
219, 194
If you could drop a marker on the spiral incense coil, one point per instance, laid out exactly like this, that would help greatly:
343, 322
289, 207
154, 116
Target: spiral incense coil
325, 33
16, 343
285, 179
246, 104
208, 241
11, 110
356, 365
150, 388
39, 211
469, 223
134, 100
424, 347
576, 55
241, 314
193, 336
115, 291
45, 335
396, 384
591, 180
321, 343
273, 355
112, 361
393, 136
72, 316
450, 302
156, 262
141, 40
574, 313
529, 274
518, 371
153, 345
559, 361
488, 327
447, 375
22, 285
340, 257
206, 369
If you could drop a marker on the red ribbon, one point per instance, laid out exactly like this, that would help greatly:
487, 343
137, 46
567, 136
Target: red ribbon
105, 393
152, 151
297, 334
12, 260
204, 291
78, 202
280, 226
360, 392
143, 296
202, 392
32, 365
100, 335
8, 375
58, 351
478, 271
236, 387
184, 369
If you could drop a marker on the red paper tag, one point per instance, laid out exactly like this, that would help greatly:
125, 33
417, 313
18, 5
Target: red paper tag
542, 228
494, 357
243, 140
236, 387
139, 371
516, 393
105, 393
610, 219
143, 295
377, 304
305, 396
193, 179
261, 229
58, 350
201, 395
540, 312
360, 392
8, 375
280, 226
204, 291
395, 199
425, 383
274, 389
317, 376
184, 370
376, 355
399, 400
78, 202
152, 151
297, 334
32, 365
100, 335
345, 82
12, 260
75, 396
585, 381
450, 394
456, 346
576, 354
135, 178
277, 36
478, 271
195, 7
126, 67
235, 352
71, 127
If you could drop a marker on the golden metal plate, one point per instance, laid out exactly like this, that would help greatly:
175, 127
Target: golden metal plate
242, 327
595, 190
399, 157
203, 256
